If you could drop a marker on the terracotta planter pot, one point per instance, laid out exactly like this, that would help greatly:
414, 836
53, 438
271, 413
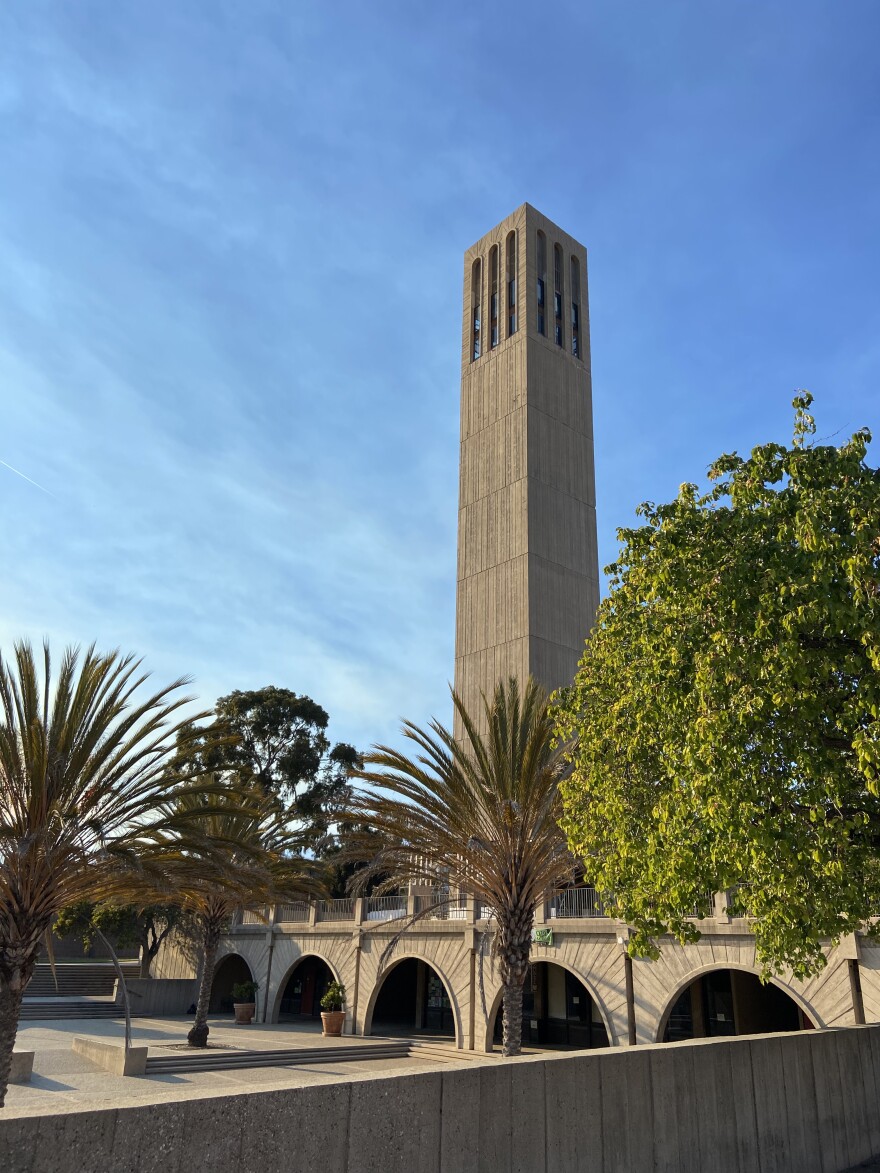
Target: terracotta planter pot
244, 1012
333, 1022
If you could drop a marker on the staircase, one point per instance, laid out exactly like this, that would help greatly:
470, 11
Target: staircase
187, 1062
84, 990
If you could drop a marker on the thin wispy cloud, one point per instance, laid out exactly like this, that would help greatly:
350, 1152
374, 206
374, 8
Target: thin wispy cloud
24, 477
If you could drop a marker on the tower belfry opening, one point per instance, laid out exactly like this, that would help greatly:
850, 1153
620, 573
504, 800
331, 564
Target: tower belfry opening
528, 576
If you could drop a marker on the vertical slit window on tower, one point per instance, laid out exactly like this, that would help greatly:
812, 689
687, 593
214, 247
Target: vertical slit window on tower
575, 308
511, 283
557, 295
542, 278
493, 297
476, 285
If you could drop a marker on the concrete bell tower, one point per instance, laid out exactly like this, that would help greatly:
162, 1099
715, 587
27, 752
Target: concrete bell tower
528, 576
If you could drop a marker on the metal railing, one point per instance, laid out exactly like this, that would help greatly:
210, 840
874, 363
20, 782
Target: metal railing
296, 912
384, 907
704, 908
254, 916
442, 905
335, 909
576, 903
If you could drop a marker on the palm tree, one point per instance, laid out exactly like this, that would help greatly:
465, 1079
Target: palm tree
82, 773
480, 814
219, 855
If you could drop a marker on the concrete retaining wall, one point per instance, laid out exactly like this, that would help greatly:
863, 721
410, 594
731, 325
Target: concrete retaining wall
805, 1103
155, 997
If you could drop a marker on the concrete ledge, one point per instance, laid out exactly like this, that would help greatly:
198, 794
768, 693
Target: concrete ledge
113, 1058
805, 1102
22, 1066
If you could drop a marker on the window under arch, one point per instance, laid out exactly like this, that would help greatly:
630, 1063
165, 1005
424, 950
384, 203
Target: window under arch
494, 336
476, 288
512, 259
557, 295
575, 307
542, 281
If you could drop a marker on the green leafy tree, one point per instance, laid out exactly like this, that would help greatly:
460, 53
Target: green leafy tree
279, 738
83, 757
125, 924
724, 725
480, 815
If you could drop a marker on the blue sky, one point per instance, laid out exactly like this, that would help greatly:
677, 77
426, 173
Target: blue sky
230, 274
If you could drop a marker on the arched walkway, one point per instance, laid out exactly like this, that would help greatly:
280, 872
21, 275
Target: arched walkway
230, 970
301, 990
559, 1012
730, 1001
411, 999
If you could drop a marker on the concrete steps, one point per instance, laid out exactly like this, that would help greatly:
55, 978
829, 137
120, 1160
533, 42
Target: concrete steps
33, 1009
77, 979
193, 1061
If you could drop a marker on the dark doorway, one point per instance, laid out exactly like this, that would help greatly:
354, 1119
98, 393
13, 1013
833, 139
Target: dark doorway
412, 1000
731, 1002
304, 989
231, 970
558, 1011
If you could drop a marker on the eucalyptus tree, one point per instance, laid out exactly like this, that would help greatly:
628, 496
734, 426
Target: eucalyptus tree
480, 815
83, 786
727, 708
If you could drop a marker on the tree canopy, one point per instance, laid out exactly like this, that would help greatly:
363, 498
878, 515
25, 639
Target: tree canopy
278, 738
724, 724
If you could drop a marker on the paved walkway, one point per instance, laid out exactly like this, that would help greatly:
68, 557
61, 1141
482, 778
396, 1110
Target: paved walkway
64, 1081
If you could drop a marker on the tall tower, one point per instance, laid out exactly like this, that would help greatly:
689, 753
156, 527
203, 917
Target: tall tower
528, 577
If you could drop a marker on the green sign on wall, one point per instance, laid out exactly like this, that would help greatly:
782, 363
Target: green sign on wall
542, 936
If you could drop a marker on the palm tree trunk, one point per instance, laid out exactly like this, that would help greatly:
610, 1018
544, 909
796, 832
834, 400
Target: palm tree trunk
10, 1008
515, 942
511, 1043
198, 1036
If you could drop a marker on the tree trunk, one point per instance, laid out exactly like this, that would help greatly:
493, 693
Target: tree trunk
10, 1008
514, 946
146, 961
198, 1036
511, 1043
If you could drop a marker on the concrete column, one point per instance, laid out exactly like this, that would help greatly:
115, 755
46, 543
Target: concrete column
359, 911
630, 999
472, 1000
353, 1021
855, 986
313, 913
421, 993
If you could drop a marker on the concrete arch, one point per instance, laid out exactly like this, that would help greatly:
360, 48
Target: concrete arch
588, 986
444, 978
281, 984
218, 995
695, 974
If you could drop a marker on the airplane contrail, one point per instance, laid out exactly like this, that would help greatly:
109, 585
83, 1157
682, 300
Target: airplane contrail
26, 478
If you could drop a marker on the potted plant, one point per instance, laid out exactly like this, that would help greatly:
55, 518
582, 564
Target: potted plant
333, 1009
244, 1002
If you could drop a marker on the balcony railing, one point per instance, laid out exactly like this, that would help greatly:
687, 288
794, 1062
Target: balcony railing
255, 916
335, 909
297, 912
384, 907
576, 903
703, 908
442, 906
